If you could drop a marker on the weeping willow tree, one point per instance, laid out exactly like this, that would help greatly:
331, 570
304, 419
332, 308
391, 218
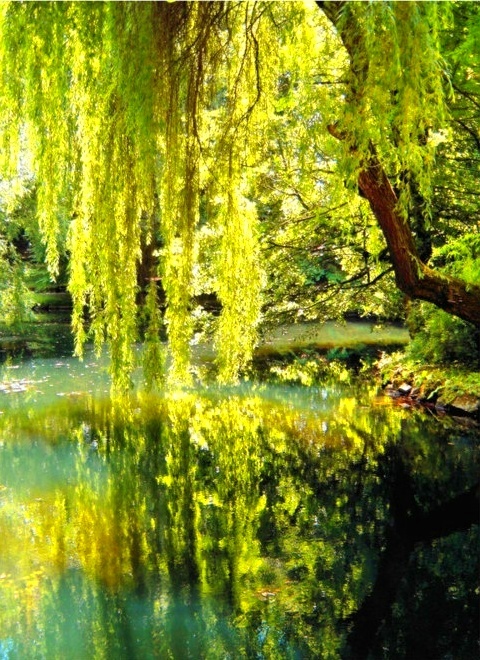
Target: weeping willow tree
144, 121
126, 113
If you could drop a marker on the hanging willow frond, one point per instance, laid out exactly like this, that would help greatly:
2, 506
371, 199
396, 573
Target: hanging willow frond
109, 105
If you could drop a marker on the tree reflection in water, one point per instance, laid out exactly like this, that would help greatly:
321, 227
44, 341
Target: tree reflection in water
267, 524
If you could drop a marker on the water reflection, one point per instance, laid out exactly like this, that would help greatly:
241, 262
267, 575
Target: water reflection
256, 523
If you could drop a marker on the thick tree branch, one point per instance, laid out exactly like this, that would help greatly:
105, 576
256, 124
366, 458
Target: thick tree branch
412, 276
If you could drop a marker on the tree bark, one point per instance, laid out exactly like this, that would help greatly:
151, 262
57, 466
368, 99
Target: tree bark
412, 276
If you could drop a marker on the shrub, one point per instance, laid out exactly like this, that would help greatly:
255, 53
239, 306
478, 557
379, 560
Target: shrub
440, 338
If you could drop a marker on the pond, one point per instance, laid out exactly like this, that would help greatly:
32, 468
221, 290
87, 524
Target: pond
252, 522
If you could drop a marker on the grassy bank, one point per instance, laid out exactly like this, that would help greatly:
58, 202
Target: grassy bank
330, 336
436, 383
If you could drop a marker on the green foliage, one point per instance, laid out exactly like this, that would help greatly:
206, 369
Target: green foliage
440, 338
461, 257
433, 381
241, 309
133, 123
15, 298
22, 253
154, 125
398, 102
458, 383
154, 355
311, 370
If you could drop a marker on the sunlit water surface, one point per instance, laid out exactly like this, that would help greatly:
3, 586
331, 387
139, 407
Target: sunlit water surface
254, 522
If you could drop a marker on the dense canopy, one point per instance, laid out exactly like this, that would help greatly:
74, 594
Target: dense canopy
219, 147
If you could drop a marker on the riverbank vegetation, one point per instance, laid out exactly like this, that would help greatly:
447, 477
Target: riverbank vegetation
193, 171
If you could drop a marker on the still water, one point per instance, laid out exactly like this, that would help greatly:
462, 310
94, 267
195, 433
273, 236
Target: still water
256, 522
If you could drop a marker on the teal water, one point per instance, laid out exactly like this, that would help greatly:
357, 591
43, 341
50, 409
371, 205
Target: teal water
253, 522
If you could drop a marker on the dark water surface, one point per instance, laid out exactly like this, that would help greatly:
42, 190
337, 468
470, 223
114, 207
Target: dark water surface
246, 523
